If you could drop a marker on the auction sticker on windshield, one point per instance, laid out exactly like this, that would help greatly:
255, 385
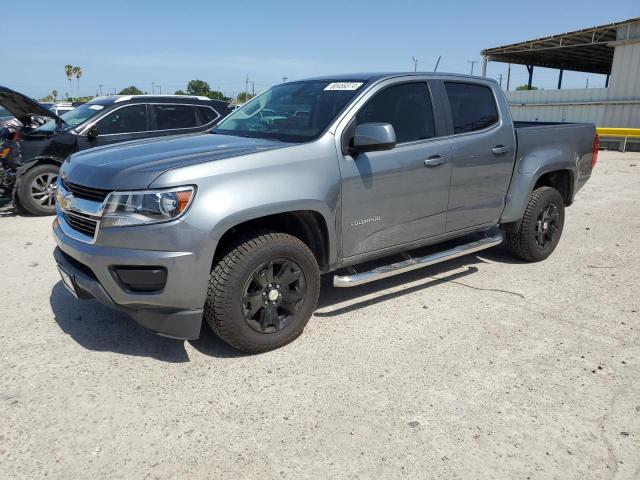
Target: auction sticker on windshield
343, 86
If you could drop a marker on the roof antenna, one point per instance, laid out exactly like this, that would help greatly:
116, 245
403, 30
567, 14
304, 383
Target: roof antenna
437, 63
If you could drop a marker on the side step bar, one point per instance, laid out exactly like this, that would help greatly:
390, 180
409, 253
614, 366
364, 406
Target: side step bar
355, 278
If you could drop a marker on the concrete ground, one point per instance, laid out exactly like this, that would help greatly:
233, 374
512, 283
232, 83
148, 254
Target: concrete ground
481, 368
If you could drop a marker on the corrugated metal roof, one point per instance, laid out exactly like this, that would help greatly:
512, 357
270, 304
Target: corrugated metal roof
587, 50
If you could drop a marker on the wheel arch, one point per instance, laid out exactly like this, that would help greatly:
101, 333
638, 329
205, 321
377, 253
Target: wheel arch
525, 182
562, 180
309, 225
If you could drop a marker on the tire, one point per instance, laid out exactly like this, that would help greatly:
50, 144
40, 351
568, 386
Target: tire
243, 280
36, 191
541, 226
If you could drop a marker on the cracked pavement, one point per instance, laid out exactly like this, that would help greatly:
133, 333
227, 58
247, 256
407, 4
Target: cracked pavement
483, 367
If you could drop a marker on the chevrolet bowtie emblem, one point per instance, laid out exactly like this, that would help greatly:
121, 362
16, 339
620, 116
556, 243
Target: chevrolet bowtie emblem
64, 200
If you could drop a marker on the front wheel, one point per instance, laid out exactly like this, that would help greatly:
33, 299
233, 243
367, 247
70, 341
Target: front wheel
263, 292
541, 227
37, 190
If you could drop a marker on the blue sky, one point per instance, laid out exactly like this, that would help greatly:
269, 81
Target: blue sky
120, 43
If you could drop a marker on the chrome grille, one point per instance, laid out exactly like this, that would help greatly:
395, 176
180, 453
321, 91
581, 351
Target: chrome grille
88, 193
82, 223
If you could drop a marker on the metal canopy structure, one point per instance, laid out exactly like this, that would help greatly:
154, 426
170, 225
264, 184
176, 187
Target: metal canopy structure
588, 50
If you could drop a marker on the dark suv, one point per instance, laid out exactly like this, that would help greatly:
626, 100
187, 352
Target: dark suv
31, 159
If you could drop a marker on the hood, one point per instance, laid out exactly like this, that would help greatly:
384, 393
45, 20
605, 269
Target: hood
135, 165
23, 107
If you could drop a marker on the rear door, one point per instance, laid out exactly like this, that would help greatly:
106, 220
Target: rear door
483, 143
174, 119
397, 196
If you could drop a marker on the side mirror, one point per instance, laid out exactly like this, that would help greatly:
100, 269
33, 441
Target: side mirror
92, 132
373, 137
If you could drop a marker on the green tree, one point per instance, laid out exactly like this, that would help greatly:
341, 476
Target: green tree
68, 70
197, 87
526, 87
77, 71
244, 97
179, 92
216, 95
132, 90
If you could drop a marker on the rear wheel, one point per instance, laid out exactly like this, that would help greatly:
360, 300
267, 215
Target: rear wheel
263, 292
541, 227
37, 190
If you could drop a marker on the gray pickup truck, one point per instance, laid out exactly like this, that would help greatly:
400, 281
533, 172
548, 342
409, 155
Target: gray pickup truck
366, 175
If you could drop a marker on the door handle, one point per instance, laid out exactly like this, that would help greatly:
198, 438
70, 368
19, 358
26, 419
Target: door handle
435, 160
499, 150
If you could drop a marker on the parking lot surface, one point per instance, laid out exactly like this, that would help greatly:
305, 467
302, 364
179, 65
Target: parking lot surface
484, 367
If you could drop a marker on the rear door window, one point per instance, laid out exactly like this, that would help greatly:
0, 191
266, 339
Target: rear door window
473, 106
207, 115
129, 119
406, 106
169, 117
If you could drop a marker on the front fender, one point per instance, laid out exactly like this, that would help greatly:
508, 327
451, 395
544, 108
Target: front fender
239, 189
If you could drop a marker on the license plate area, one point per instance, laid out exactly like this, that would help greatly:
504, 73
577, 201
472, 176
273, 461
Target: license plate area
68, 282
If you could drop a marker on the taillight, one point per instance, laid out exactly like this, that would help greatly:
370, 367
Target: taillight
4, 153
596, 147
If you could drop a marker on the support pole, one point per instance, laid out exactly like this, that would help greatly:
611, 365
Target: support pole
484, 65
530, 70
606, 82
508, 77
560, 79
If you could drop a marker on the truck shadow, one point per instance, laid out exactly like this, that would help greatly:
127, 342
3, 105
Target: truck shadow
96, 327
331, 296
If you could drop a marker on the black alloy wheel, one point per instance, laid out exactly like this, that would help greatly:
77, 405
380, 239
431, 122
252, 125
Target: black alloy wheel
273, 295
547, 225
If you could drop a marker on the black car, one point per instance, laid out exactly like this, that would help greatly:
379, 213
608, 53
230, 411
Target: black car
31, 157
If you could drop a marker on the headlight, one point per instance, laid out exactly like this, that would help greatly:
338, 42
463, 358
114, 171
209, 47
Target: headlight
144, 207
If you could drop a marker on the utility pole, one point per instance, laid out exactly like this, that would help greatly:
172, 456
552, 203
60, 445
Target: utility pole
153, 88
508, 77
473, 63
284, 79
246, 87
437, 63
253, 88
160, 88
415, 63
100, 87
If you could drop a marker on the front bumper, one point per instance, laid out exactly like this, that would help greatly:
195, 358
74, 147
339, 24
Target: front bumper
175, 311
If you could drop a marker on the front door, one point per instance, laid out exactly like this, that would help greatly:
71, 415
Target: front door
394, 197
129, 122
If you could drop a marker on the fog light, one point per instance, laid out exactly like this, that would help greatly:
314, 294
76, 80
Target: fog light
141, 279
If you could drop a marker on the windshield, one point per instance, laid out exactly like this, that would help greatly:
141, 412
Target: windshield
291, 112
4, 112
72, 118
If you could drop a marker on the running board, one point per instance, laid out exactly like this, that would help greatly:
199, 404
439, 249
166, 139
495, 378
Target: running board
491, 239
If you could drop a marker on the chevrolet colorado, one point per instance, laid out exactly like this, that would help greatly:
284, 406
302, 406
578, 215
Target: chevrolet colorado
365, 175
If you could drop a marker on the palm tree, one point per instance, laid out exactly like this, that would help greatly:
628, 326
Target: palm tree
77, 71
54, 93
68, 70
